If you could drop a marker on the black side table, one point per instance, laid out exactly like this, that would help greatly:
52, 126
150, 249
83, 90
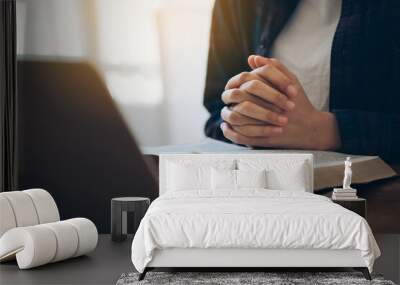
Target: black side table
357, 205
119, 209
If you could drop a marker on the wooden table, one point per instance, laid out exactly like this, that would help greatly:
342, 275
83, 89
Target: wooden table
383, 203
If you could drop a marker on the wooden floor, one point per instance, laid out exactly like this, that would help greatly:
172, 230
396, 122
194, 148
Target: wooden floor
103, 266
110, 260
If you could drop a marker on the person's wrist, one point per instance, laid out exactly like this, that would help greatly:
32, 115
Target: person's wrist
327, 135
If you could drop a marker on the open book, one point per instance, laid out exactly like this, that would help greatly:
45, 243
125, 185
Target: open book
328, 166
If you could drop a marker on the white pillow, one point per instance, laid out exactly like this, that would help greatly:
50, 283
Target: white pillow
223, 179
236, 179
292, 177
289, 175
188, 175
185, 177
251, 178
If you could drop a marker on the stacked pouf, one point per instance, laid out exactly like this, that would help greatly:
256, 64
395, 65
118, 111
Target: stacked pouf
31, 230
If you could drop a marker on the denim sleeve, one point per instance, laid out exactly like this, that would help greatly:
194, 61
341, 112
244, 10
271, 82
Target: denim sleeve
369, 133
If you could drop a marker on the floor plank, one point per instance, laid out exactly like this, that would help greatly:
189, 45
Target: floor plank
103, 266
110, 260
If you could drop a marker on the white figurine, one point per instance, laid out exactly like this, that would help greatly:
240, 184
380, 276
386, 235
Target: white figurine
346, 192
347, 173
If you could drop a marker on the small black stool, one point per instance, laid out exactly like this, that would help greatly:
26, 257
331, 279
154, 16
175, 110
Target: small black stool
119, 208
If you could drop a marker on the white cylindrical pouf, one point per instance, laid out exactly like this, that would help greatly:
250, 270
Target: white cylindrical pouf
67, 239
41, 244
7, 218
87, 234
23, 208
45, 205
34, 246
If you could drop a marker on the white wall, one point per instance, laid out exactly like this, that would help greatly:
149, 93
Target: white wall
184, 30
128, 51
56, 28
152, 54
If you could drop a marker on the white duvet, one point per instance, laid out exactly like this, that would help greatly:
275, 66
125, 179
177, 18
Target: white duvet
250, 219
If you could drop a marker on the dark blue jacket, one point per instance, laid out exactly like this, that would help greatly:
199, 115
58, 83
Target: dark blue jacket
365, 66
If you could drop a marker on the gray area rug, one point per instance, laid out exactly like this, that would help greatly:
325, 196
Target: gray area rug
233, 278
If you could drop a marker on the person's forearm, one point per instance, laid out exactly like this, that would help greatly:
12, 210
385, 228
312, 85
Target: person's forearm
329, 134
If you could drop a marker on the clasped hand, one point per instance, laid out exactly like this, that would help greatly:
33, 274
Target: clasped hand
267, 107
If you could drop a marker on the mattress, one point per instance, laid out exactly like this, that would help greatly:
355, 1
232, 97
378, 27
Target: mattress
250, 219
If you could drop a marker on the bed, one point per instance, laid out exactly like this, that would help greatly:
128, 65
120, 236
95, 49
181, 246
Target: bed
247, 210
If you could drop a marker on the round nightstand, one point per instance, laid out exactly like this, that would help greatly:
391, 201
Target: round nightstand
119, 209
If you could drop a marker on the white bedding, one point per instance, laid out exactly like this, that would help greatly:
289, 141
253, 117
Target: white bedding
250, 219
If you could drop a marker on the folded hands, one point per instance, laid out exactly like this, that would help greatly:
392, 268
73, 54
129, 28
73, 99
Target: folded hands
267, 107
